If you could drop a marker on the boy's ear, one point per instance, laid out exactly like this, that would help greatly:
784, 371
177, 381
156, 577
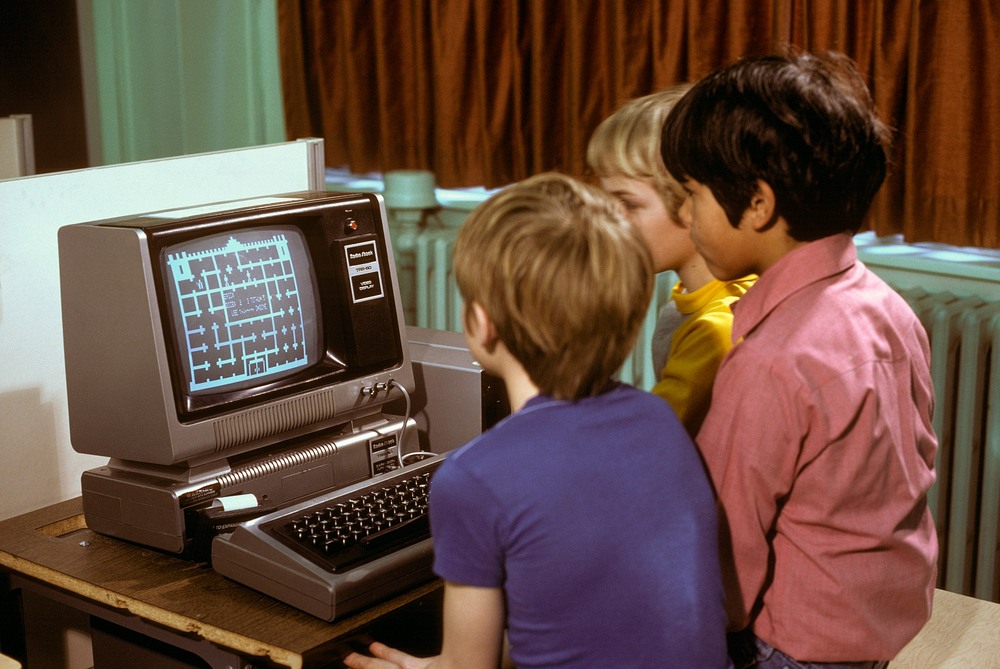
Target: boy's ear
483, 330
762, 209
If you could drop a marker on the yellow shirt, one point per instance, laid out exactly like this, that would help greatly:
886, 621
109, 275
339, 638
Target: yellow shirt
698, 346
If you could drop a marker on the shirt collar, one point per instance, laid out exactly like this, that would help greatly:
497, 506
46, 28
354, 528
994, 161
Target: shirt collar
688, 303
805, 265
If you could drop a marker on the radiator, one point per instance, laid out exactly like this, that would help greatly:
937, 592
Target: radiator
965, 364
437, 304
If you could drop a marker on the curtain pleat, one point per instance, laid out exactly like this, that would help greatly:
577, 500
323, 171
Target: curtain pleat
870, 34
953, 164
486, 92
888, 77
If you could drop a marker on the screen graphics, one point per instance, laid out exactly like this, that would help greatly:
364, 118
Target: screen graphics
244, 307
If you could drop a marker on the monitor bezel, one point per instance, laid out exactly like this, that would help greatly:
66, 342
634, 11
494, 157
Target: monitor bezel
322, 233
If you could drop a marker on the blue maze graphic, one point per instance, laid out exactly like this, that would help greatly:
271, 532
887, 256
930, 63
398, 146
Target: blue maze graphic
241, 311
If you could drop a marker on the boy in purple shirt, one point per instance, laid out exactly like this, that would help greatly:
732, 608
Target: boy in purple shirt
819, 439
583, 524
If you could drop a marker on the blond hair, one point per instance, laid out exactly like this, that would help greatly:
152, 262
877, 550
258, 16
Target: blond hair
627, 143
564, 277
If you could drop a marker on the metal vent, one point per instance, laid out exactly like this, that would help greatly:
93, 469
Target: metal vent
262, 423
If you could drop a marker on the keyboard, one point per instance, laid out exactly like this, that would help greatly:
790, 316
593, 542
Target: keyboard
341, 551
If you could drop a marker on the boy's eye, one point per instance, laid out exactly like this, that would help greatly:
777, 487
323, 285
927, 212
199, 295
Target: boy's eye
629, 205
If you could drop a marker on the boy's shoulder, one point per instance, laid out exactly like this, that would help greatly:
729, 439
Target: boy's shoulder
823, 329
619, 400
543, 419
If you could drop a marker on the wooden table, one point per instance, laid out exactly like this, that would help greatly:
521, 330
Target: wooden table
183, 604
188, 606
963, 633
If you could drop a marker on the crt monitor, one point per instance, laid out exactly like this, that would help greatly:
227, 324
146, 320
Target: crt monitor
195, 334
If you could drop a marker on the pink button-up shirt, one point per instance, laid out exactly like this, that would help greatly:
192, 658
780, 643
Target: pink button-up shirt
820, 447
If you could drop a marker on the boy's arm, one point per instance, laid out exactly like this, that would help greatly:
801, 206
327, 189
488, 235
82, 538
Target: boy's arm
473, 634
473, 626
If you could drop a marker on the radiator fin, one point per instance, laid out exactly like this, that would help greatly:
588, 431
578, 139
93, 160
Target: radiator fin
964, 333
438, 304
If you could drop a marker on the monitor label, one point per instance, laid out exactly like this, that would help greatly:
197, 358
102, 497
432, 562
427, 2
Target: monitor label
364, 272
383, 453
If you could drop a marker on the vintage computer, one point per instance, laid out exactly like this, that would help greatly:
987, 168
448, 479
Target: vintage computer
246, 368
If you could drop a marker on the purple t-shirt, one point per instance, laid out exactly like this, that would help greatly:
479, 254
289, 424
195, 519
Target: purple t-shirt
597, 520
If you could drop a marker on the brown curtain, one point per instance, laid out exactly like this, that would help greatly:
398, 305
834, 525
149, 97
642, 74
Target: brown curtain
486, 92
951, 170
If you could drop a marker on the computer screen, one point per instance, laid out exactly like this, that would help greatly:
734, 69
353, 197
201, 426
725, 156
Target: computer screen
194, 334
242, 307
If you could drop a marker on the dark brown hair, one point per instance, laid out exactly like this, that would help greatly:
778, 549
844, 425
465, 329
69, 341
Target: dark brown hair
804, 124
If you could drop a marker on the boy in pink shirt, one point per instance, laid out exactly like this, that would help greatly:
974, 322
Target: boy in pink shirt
819, 439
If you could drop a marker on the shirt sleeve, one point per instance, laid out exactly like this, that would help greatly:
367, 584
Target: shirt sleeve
465, 519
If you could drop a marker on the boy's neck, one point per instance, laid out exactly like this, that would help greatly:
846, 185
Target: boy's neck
771, 245
520, 387
694, 274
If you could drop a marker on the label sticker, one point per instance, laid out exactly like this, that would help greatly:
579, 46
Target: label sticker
383, 454
364, 271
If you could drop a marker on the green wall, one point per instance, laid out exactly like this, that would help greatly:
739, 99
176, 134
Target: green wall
174, 77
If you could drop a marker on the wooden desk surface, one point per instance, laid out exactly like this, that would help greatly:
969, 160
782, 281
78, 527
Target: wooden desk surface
963, 633
53, 545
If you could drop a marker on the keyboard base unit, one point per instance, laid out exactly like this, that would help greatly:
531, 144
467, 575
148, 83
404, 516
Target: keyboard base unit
340, 552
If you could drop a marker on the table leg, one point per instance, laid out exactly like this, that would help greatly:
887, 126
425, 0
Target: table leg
12, 642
